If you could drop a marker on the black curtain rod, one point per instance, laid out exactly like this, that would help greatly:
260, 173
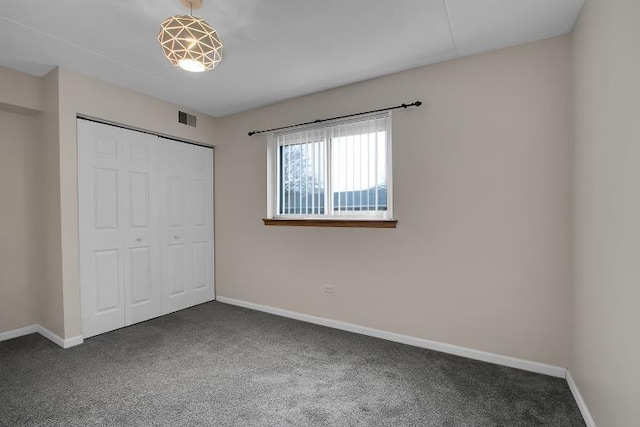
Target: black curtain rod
413, 104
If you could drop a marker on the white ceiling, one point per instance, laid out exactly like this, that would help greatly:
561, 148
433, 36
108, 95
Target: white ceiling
273, 49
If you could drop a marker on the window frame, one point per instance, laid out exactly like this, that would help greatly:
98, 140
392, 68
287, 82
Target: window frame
359, 219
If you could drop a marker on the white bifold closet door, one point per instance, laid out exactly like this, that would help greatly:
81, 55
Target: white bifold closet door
146, 226
187, 228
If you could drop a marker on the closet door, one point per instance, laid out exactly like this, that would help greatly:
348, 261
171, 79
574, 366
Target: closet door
141, 226
100, 158
200, 222
146, 226
187, 225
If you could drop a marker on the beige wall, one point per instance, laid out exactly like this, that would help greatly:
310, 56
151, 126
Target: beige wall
606, 327
19, 164
19, 92
481, 254
50, 298
80, 94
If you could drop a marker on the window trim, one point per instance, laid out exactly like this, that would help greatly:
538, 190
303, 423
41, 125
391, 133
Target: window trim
362, 219
378, 223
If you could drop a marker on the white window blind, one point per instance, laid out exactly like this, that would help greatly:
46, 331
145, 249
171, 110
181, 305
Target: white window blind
337, 171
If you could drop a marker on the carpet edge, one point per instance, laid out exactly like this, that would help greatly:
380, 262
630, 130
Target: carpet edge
512, 362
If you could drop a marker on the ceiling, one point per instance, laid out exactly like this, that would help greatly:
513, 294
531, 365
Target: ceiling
273, 49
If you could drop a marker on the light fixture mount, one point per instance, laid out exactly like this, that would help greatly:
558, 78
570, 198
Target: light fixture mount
189, 42
193, 4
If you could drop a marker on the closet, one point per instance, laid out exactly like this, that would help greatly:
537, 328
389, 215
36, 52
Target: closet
145, 210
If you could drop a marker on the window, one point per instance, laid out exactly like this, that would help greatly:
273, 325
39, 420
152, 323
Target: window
340, 171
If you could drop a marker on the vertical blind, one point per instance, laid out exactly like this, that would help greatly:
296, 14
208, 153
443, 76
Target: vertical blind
337, 170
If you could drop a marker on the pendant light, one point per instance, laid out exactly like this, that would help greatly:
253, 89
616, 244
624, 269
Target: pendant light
190, 42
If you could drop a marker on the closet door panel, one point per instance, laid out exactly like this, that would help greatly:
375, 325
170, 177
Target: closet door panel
140, 276
187, 225
140, 200
176, 250
177, 277
201, 223
105, 198
200, 237
141, 216
105, 270
200, 276
100, 227
175, 199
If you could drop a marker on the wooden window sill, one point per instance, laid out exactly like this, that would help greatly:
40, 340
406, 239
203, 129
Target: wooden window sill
332, 223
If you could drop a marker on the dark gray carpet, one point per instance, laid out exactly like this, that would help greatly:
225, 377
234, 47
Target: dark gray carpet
220, 365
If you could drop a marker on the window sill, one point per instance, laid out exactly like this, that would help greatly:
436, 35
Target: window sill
386, 223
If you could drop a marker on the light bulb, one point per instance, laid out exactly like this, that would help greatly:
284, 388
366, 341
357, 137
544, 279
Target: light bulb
191, 65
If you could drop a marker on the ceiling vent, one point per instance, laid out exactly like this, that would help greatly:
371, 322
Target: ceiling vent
186, 119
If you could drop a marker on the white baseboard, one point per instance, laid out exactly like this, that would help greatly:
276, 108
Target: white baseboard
541, 368
35, 328
588, 419
64, 343
27, 330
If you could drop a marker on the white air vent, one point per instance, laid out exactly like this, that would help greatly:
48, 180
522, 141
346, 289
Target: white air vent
186, 119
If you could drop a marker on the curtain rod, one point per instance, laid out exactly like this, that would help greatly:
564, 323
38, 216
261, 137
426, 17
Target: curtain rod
413, 104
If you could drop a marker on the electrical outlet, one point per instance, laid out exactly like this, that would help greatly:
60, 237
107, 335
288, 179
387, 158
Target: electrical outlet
329, 289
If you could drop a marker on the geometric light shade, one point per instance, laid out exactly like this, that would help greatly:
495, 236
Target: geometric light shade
190, 43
